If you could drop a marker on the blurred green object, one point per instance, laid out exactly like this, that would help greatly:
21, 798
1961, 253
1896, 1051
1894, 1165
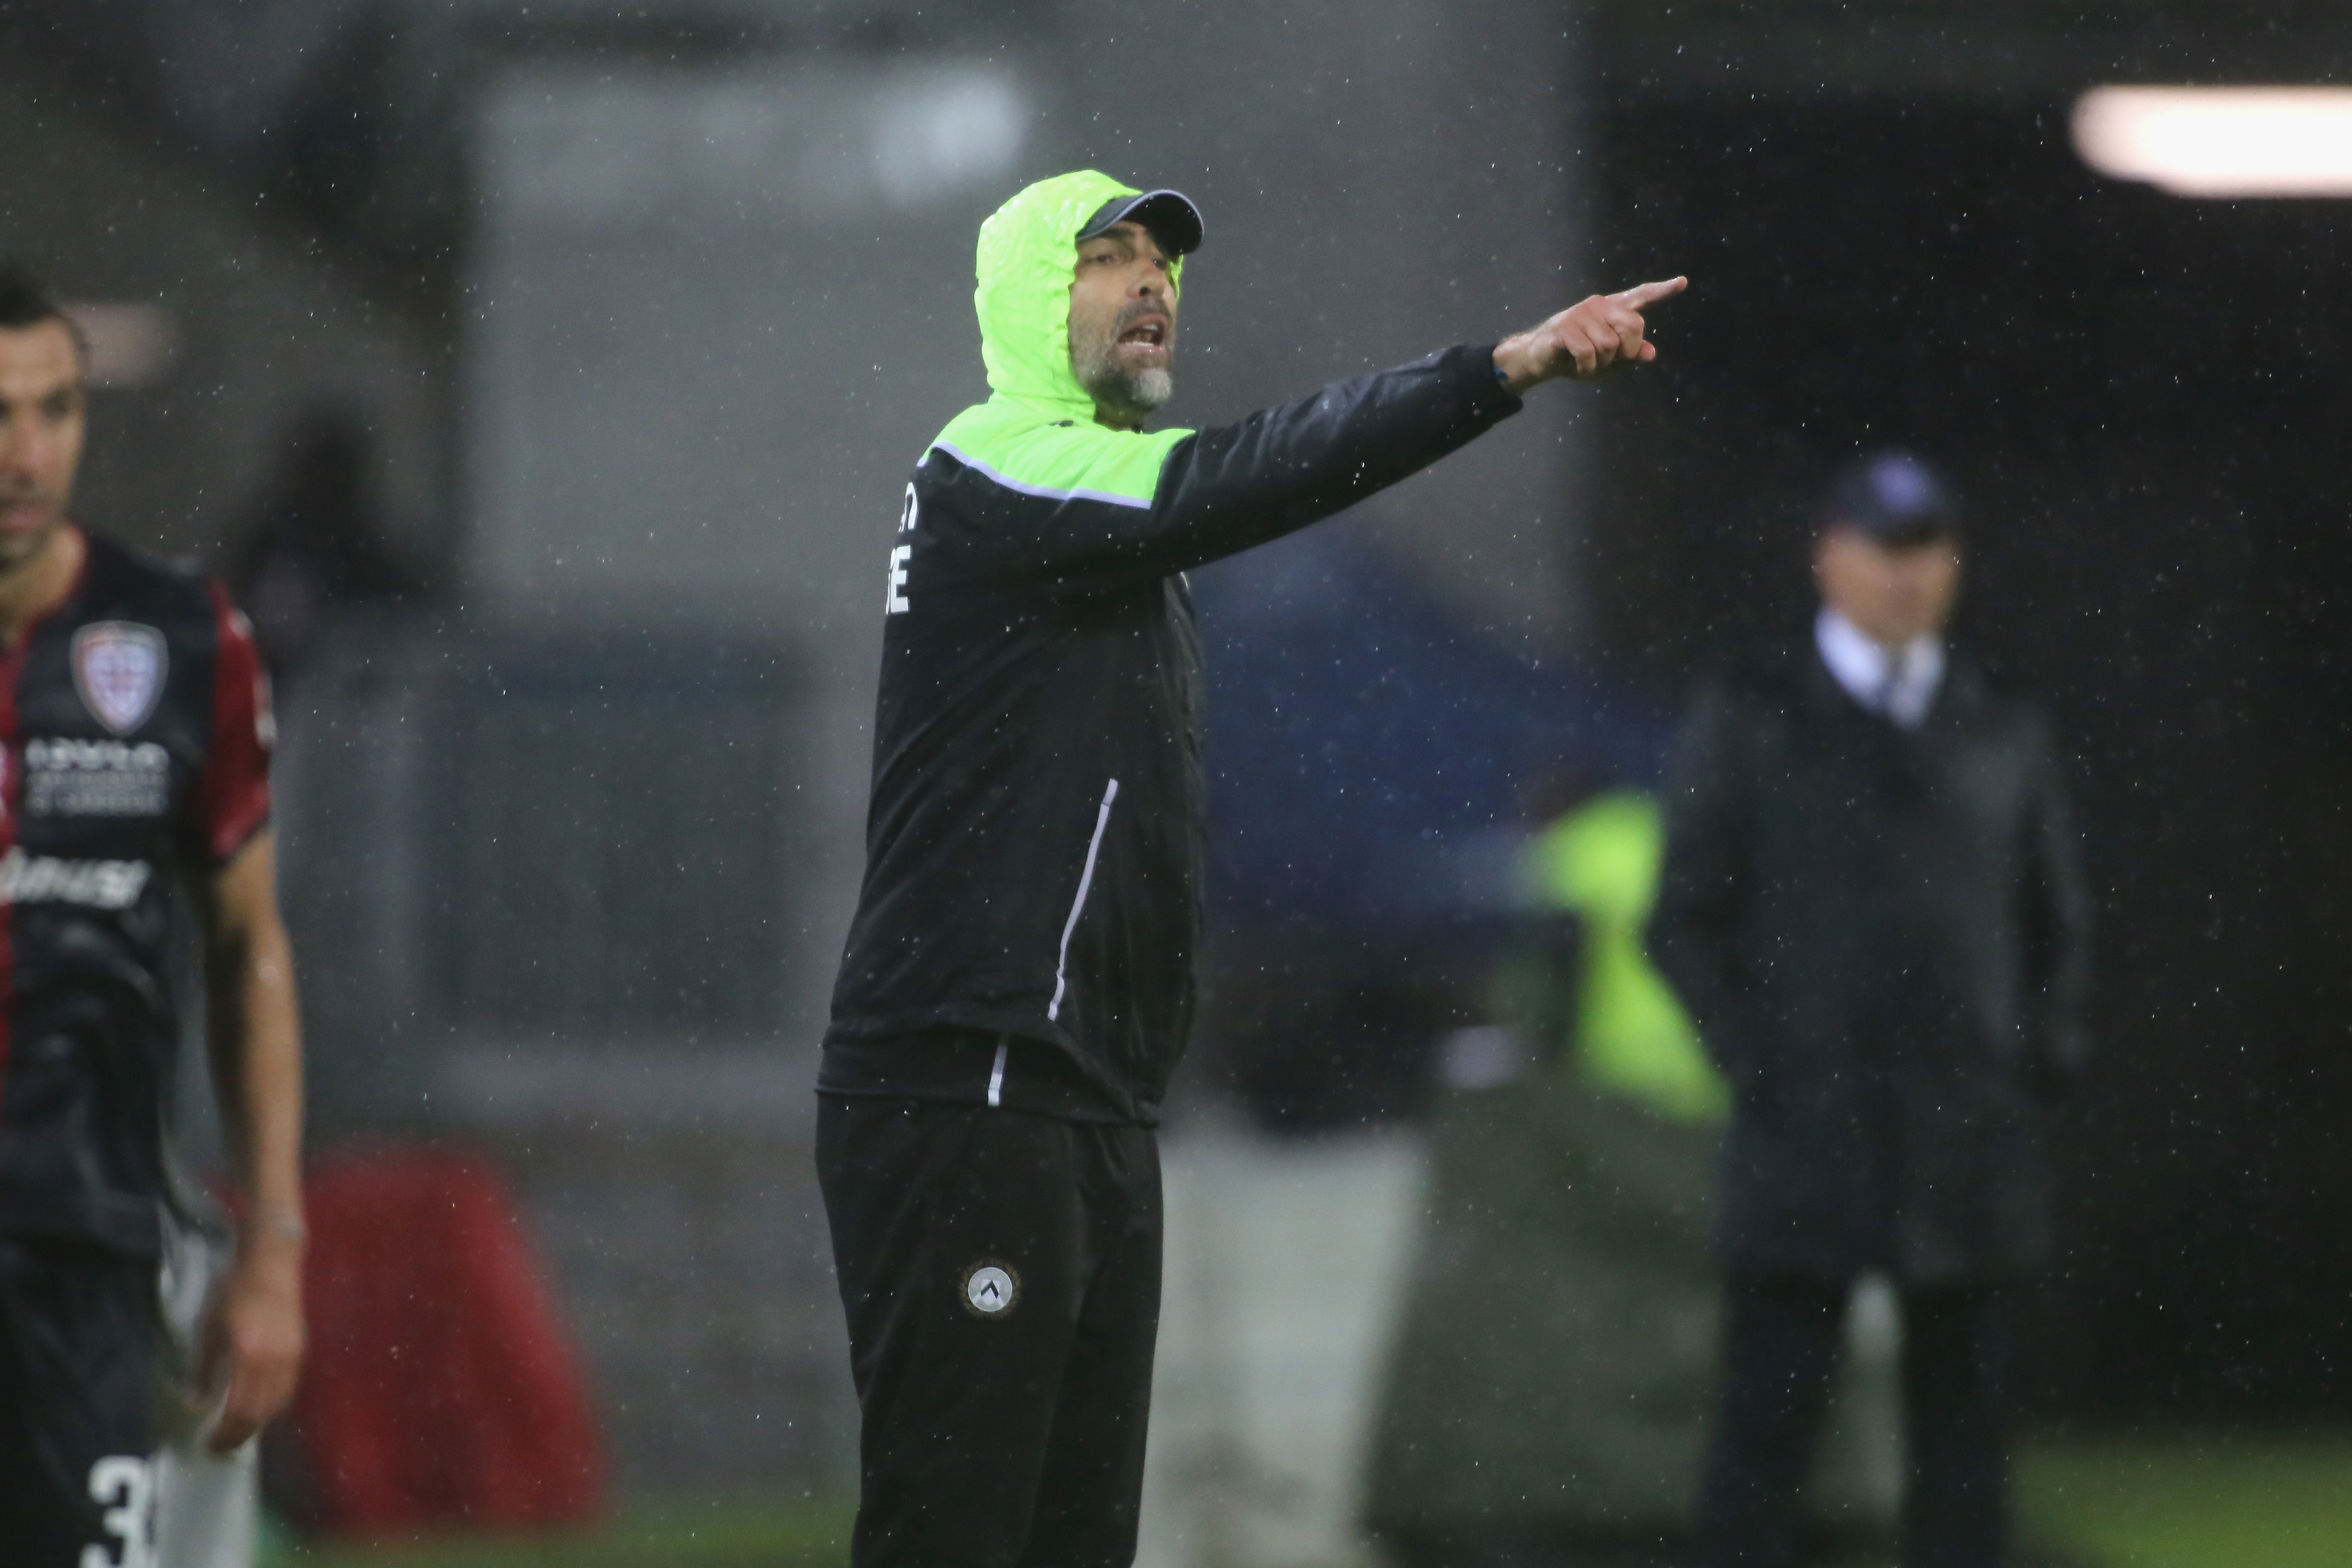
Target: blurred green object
1600, 863
2186, 1500
784, 1533
1556, 1364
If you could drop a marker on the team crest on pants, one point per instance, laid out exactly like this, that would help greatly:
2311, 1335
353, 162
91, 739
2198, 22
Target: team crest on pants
118, 667
989, 1289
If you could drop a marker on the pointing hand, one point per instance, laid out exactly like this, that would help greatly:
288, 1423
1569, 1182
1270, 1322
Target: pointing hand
1587, 341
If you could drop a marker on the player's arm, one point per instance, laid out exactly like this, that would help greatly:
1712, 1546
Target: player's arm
1227, 488
253, 1340
1281, 468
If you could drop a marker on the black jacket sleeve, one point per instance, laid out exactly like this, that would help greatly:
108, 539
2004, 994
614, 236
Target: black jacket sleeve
2056, 922
1234, 486
1702, 889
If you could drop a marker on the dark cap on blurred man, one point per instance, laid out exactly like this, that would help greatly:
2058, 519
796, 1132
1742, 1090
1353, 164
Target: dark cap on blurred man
1893, 497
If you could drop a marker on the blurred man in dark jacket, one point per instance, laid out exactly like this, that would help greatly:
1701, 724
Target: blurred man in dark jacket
1873, 906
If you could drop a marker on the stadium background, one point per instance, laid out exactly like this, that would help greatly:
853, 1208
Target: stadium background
552, 370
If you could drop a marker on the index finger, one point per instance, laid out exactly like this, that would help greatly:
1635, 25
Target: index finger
1644, 294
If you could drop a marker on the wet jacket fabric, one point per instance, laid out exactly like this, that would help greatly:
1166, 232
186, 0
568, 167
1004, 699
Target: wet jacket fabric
1881, 933
1034, 845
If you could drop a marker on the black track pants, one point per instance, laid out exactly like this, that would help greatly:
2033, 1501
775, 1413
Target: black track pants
1001, 1273
1782, 1338
79, 1334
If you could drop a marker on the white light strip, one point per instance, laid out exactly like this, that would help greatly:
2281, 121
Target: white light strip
2221, 141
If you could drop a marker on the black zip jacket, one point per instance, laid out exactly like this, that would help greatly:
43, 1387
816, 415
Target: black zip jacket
1032, 901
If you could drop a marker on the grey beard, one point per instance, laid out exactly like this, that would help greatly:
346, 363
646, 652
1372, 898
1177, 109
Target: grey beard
1134, 395
1116, 392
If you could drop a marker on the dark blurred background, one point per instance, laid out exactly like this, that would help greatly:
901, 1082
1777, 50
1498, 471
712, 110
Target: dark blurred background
2143, 396
545, 375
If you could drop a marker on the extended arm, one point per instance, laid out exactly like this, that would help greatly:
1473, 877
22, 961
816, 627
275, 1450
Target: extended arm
1097, 524
253, 1343
1281, 468
1278, 469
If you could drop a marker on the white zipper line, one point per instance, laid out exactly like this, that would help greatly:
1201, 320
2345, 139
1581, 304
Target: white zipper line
1078, 904
996, 1073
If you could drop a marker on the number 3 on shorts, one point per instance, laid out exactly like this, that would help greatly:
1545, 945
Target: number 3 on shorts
125, 1489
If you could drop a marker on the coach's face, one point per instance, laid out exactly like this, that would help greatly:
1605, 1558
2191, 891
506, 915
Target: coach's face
1892, 592
42, 422
1123, 324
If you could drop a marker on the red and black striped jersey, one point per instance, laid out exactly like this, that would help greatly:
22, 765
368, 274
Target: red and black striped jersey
135, 734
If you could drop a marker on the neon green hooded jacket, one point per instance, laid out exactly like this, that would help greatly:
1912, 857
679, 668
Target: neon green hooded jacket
1031, 906
1040, 424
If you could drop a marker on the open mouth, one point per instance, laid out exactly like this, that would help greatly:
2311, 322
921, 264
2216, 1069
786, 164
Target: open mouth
1151, 332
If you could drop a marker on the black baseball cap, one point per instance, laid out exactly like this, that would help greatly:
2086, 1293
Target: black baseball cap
1169, 216
1895, 497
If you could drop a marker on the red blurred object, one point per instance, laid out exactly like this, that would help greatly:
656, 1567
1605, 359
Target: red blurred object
440, 1387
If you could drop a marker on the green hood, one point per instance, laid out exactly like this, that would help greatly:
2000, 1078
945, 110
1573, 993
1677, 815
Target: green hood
1028, 251
1038, 432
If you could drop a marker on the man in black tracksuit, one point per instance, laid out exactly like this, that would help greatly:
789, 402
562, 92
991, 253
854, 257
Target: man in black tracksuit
1018, 983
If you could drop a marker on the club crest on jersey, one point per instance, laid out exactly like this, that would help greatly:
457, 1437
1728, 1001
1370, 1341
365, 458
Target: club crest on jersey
118, 667
989, 1289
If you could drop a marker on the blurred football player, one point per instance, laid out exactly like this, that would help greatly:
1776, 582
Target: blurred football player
135, 734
